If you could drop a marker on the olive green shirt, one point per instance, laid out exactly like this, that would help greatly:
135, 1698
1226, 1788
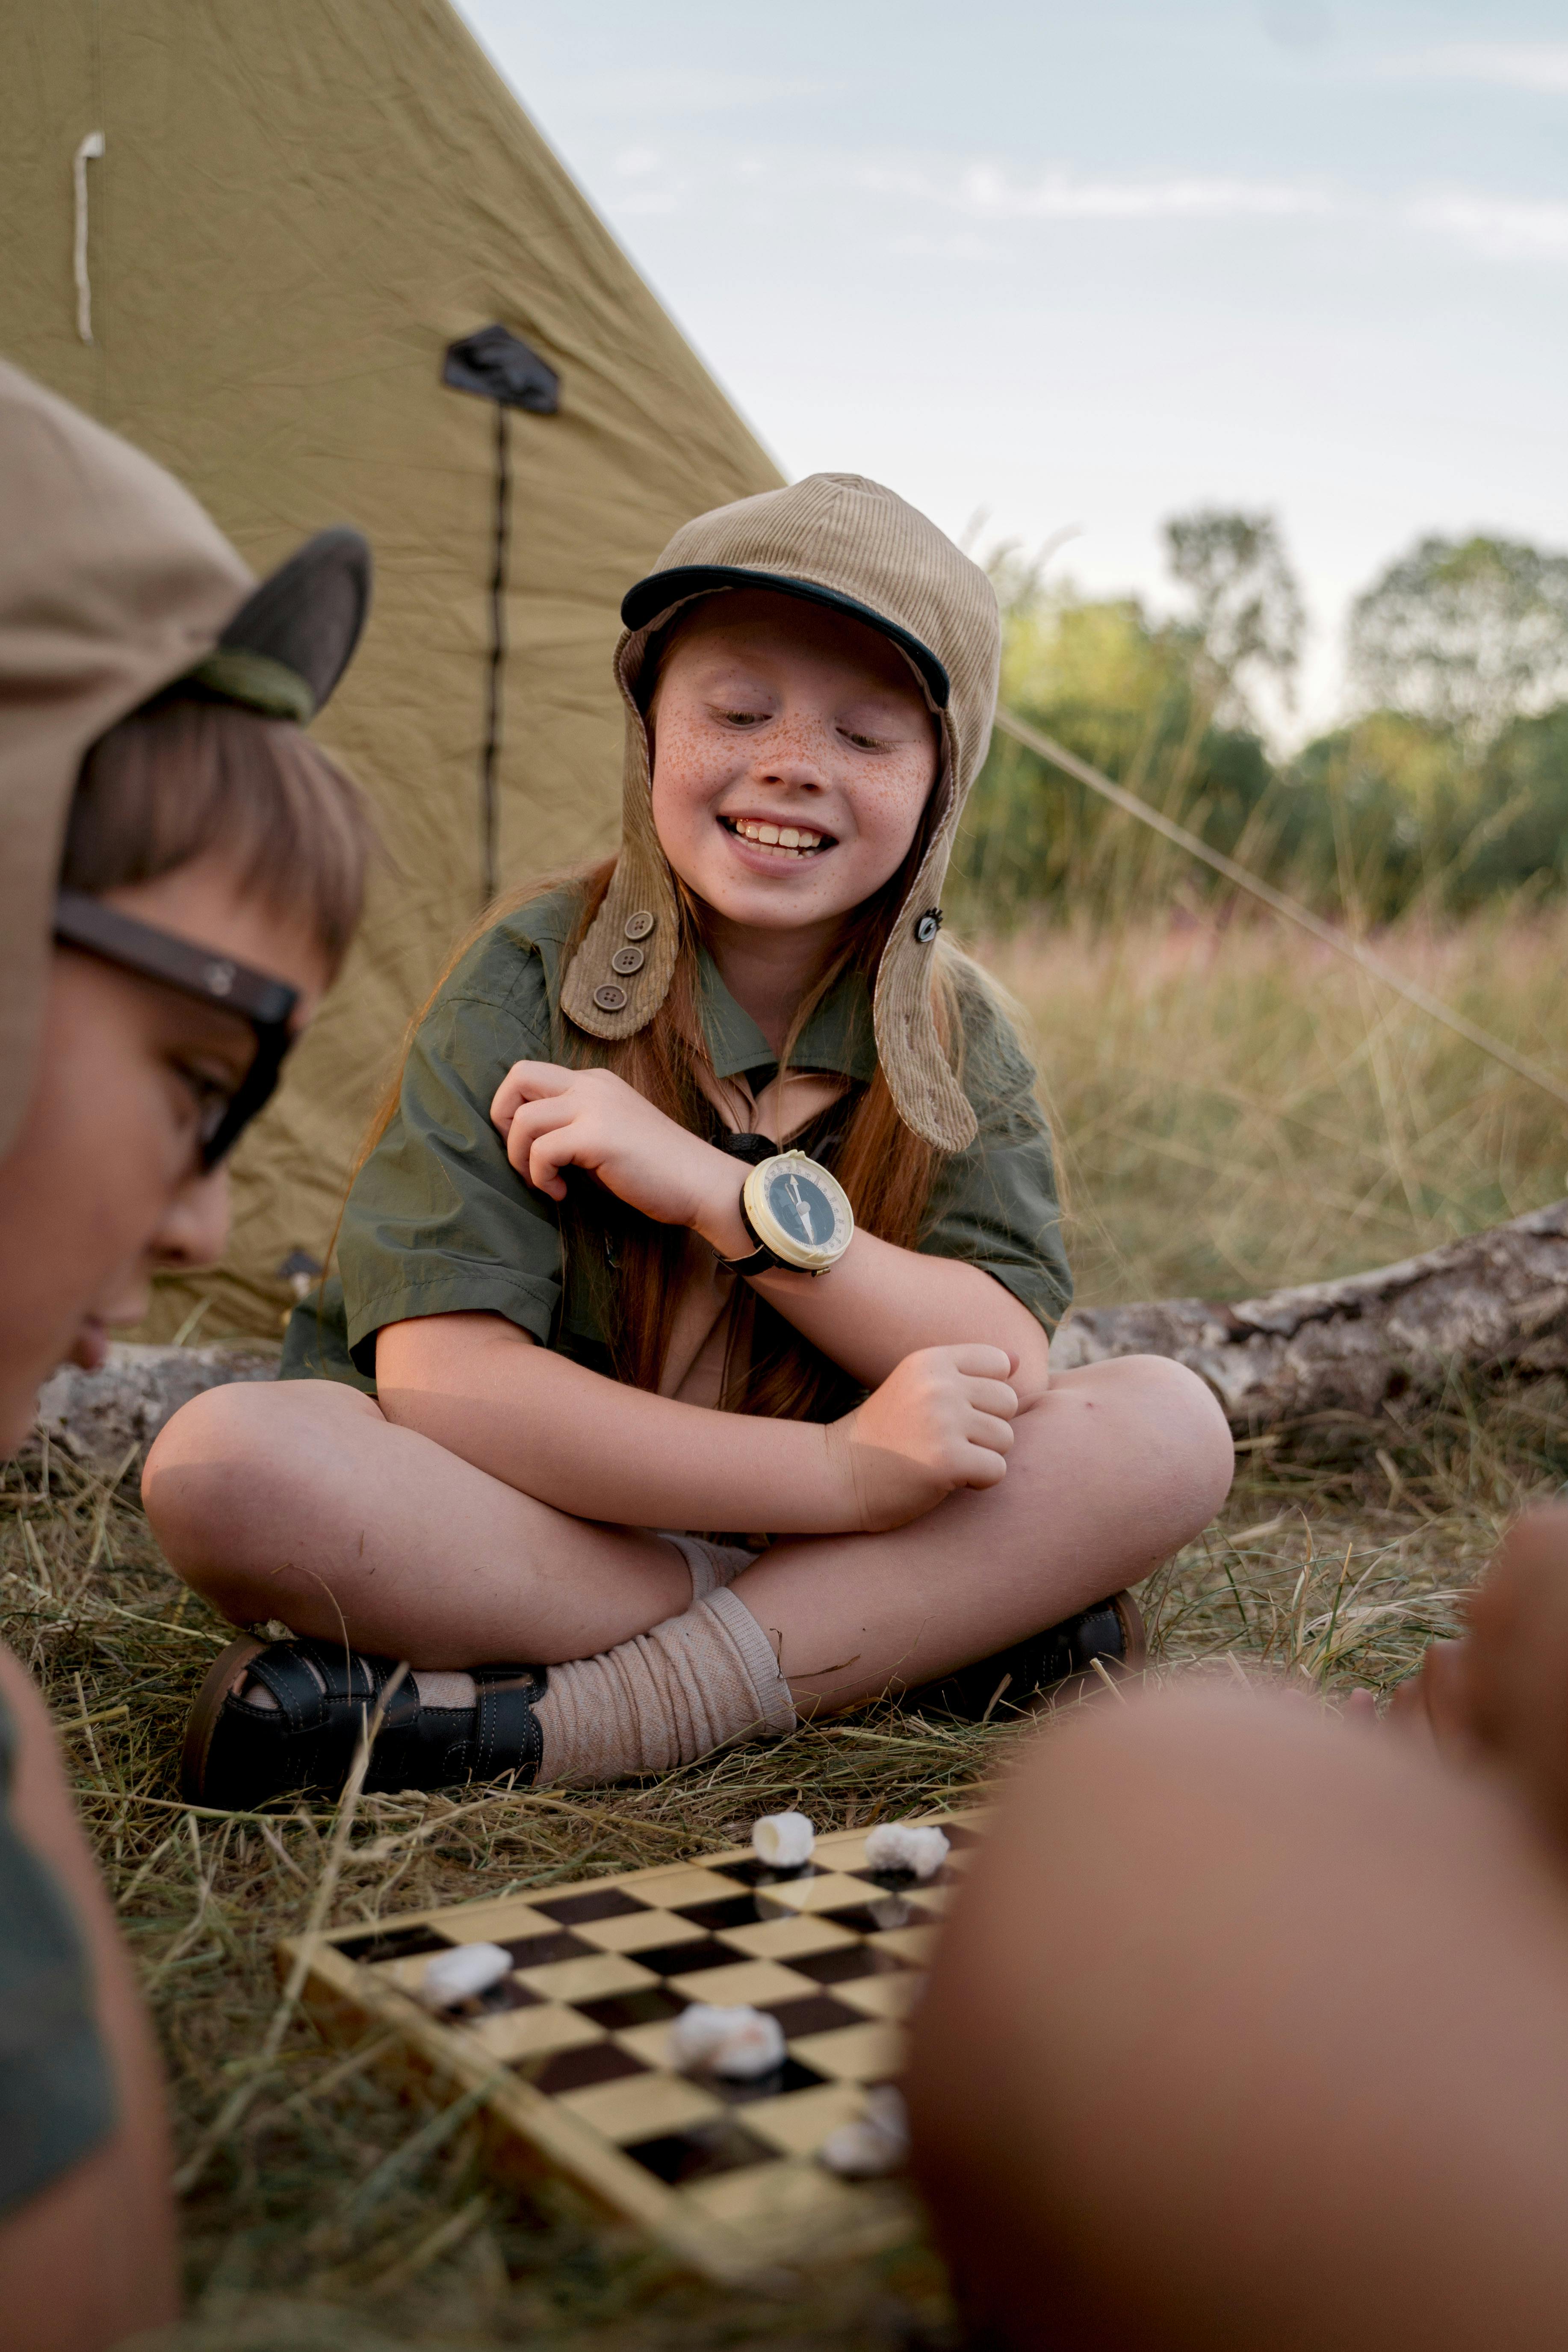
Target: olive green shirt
57, 2091
439, 1222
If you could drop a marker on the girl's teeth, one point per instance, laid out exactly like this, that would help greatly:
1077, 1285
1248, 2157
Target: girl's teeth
774, 836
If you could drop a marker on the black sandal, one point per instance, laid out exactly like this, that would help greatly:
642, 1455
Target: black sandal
1058, 1663
239, 1755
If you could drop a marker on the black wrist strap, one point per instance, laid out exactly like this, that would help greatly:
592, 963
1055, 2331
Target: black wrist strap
763, 1260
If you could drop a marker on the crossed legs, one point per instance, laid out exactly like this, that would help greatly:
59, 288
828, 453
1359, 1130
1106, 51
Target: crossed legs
300, 1501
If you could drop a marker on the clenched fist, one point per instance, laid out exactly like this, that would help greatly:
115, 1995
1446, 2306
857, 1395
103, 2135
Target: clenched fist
942, 1419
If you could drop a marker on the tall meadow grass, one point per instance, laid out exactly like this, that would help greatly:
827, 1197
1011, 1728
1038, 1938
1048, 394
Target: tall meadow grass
1236, 1108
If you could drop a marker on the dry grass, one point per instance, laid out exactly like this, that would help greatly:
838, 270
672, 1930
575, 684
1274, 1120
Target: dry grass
1234, 1119
1240, 1108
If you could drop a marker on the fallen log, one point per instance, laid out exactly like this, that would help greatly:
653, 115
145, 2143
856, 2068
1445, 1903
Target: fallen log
108, 1417
1495, 1302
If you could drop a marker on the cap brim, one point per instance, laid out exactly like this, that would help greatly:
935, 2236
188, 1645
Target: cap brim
661, 590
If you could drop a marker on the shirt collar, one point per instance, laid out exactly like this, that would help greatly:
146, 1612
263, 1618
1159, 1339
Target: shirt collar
838, 1037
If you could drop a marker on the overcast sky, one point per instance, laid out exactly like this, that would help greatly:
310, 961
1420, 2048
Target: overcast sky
1085, 266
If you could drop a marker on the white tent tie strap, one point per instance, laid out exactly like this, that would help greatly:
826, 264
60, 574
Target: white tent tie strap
1292, 912
89, 152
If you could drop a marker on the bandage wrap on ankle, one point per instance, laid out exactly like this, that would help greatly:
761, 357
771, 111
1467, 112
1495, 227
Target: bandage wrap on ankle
665, 1698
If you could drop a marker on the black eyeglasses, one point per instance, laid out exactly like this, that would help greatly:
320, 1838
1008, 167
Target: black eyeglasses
268, 1005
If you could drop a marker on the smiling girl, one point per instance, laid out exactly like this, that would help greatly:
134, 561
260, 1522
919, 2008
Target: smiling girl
588, 1295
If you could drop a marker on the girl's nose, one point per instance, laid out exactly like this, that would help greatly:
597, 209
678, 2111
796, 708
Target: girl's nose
791, 760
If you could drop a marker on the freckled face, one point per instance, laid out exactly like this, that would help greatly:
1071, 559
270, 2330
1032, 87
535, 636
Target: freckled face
794, 754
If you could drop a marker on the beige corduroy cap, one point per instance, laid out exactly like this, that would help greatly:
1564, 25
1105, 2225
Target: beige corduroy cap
113, 584
840, 541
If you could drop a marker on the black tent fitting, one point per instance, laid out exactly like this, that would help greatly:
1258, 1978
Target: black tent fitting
495, 364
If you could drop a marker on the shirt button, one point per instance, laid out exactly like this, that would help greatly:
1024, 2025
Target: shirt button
639, 925
628, 959
610, 999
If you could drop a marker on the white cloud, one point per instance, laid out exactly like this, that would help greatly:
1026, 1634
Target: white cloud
1062, 195
1516, 65
671, 89
986, 193
637, 163
963, 247
1501, 228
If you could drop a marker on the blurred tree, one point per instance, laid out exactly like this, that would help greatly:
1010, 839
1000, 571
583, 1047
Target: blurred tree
1451, 797
1466, 633
1247, 610
1120, 689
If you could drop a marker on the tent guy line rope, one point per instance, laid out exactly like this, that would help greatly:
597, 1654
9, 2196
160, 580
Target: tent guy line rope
1289, 909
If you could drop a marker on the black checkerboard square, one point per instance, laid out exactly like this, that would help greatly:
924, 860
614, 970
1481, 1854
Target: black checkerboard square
598, 1903
890, 1911
393, 1944
618, 2012
904, 1882
847, 1962
686, 1960
730, 1911
812, 2013
763, 1873
497, 1998
540, 1951
577, 2070
722, 2146
793, 2075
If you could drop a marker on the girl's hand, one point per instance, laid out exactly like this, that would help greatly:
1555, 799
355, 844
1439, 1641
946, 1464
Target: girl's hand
554, 1118
942, 1419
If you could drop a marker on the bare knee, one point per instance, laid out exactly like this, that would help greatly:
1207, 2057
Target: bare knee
227, 1473
1161, 1447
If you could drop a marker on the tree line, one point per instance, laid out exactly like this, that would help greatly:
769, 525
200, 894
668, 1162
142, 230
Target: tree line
1446, 787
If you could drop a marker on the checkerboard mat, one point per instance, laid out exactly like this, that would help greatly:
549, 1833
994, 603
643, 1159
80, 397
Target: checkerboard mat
572, 2048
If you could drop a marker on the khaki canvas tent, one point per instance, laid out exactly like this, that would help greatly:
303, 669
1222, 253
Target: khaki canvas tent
297, 207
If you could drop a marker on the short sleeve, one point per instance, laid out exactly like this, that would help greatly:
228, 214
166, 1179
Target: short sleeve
437, 1221
57, 2093
995, 1206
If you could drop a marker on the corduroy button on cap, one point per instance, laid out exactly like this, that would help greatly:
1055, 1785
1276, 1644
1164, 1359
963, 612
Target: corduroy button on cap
847, 543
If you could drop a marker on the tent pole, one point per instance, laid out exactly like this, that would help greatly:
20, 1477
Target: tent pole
489, 829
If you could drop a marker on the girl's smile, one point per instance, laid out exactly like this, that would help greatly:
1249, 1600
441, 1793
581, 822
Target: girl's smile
793, 755
775, 838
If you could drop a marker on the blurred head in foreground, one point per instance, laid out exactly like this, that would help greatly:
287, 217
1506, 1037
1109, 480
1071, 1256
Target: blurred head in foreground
180, 868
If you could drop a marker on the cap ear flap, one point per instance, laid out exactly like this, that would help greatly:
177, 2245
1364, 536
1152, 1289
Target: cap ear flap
307, 617
926, 1095
621, 973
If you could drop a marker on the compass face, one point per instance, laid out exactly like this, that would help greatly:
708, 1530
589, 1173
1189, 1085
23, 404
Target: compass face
801, 1210
801, 1207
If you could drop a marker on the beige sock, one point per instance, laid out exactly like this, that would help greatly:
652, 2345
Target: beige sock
667, 1697
711, 1564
